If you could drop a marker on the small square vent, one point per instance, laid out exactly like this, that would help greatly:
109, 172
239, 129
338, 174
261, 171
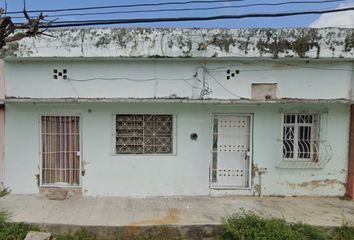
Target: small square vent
60, 74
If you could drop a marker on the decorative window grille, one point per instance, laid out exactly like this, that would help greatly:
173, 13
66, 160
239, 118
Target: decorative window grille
144, 134
303, 142
60, 150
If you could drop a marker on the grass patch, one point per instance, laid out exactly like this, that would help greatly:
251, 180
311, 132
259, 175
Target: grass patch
13, 231
16, 231
248, 226
310, 232
344, 232
80, 235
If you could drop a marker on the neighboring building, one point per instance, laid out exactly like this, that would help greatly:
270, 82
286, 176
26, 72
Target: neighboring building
159, 112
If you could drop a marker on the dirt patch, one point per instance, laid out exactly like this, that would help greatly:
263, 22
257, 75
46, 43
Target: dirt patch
171, 217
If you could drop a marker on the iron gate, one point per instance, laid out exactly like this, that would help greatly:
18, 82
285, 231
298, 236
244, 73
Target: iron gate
231, 151
60, 151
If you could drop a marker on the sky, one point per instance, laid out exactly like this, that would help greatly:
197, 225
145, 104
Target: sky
343, 19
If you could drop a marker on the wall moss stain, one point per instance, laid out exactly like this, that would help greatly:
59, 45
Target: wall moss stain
10, 50
274, 46
223, 41
349, 42
185, 45
142, 42
307, 41
299, 42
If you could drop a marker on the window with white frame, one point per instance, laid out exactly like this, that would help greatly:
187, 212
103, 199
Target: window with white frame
301, 135
144, 134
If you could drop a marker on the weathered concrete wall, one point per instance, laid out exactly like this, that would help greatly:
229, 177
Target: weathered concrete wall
176, 79
187, 171
186, 43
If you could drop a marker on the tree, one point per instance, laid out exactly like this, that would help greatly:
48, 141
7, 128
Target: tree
11, 32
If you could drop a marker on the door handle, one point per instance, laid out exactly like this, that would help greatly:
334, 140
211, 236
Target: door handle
247, 155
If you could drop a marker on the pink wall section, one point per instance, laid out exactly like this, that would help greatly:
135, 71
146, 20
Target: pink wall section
2, 119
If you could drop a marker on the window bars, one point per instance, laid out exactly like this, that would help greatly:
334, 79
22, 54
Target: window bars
144, 134
60, 150
302, 143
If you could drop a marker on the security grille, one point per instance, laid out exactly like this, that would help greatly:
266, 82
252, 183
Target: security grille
144, 134
231, 151
60, 150
300, 137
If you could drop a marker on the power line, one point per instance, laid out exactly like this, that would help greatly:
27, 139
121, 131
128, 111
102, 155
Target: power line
129, 6
182, 19
192, 9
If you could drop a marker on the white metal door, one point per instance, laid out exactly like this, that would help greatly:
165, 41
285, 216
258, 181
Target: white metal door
60, 151
231, 151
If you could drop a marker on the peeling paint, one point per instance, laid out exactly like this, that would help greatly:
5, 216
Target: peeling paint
317, 184
177, 43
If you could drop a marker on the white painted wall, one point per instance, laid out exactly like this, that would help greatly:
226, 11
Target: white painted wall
186, 172
34, 79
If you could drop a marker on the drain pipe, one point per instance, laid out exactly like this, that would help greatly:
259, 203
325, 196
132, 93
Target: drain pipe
261, 171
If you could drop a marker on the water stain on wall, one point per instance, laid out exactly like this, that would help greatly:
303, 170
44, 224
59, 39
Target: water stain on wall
317, 184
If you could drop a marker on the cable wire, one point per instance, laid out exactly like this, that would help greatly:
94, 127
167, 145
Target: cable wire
129, 6
183, 19
191, 9
221, 85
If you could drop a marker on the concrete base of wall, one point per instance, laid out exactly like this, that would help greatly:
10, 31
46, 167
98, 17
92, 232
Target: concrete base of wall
129, 232
53, 193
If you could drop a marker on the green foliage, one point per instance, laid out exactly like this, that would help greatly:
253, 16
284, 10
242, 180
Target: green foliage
16, 231
4, 216
80, 235
310, 232
246, 226
344, 232
4, 192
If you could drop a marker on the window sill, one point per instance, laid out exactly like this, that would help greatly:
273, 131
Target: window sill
300, 165
145, 155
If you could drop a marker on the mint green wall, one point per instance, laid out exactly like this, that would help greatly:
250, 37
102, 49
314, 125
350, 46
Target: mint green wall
187, 171
165, 78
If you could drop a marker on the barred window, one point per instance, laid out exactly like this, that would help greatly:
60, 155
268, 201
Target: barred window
301, 137
144, 134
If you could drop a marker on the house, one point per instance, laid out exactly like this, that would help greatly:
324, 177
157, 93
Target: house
161, 112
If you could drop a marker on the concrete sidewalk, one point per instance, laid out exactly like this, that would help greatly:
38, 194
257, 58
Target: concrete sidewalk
106, 211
